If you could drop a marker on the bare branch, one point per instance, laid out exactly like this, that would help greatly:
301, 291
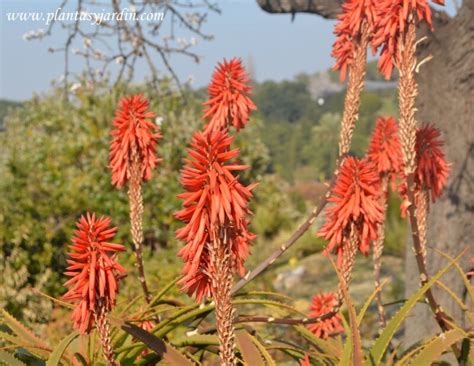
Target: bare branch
113, 36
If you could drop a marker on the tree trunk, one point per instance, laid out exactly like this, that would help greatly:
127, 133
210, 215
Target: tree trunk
446, 86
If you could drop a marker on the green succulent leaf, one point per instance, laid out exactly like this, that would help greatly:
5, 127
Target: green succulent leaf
436, 347
10, 360
250, 353
38, 347
55, 357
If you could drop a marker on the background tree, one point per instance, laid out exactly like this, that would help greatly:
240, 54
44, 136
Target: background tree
446, 87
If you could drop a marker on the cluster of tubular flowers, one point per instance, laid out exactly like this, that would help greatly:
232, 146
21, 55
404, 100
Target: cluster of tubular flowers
384, 150
392, 19
214, 199
94, 270
432, 169
135, 137
355, 200
229, 103
354, 14
320, 305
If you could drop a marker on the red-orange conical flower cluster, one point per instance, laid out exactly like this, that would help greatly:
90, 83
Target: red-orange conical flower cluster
323, 304
432, 169
384, 150
348, 29
134, 133
393, 17
355, 203
94, 269
214, 198
228, 102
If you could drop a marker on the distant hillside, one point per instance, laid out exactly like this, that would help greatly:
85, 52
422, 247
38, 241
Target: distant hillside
5, 106
301, 119
325, 83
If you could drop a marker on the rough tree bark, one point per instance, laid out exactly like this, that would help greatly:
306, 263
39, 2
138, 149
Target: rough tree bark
446, 86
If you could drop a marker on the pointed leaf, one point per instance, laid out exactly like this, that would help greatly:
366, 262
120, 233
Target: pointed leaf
55, 357
371, 298
9, 359
249, 350
435, 348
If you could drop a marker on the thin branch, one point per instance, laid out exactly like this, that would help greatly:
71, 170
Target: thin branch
282, 249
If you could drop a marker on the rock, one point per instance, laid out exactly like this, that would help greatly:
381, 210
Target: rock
289, 279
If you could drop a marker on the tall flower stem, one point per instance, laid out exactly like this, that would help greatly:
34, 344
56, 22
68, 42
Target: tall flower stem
221, 287
348, 262
354, 88
408, 91
378, 251
103, 329
136, 220
421, 204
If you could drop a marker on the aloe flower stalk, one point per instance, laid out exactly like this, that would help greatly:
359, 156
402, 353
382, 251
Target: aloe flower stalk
353, 30
430, 177
385, 154
397, 37
132, 159
353, 218
95, 274
215, 211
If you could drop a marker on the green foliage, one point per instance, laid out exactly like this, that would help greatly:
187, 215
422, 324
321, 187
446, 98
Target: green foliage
287, 101
6, 106
396, 229
300, 133
322, 150
274, 211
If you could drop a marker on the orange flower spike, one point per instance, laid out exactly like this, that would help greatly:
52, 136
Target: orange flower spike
213, 198
134, 133
323, 304
348, 29
355, 200
384, 147
229, 103
393, 17
432, 169
94, 269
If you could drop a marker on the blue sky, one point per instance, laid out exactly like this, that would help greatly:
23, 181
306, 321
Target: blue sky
279, 48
